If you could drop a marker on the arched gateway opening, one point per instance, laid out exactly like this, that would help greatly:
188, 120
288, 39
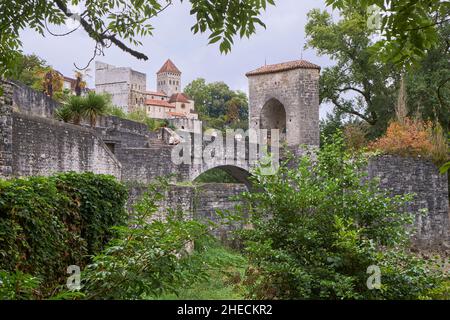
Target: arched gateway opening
224, 174
273, 116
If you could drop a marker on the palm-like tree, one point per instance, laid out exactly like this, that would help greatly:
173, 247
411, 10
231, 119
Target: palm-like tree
76, 107
71, 111
94, 105
63, 113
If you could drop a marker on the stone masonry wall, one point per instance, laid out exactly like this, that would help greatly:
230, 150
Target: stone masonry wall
124, 133
30, 101
408, 175
6, 156
213, 196
145, 164
43, 146
199, 202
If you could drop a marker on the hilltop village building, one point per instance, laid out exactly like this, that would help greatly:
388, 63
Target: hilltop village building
128, 89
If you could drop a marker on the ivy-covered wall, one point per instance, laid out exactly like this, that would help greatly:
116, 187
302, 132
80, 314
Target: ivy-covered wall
50, 223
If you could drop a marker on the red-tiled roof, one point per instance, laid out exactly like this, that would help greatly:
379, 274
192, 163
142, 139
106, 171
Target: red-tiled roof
177, 114
159, 103
169, 66
285, 66
179, 97
154, 93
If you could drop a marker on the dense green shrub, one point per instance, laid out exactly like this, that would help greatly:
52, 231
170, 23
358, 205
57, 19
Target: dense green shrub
149, 256
49, 223
18, 285
318, 226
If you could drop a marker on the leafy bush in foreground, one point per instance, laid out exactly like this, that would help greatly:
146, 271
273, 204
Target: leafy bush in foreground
317, 228
49, 223
149, 256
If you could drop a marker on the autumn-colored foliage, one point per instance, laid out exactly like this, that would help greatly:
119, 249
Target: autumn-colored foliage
406, 138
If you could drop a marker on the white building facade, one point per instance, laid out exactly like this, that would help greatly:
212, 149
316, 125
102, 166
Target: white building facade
128, 90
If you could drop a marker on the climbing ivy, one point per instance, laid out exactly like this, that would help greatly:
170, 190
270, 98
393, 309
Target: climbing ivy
49, 223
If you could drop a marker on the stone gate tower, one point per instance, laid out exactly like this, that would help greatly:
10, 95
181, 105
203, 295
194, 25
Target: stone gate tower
285, 96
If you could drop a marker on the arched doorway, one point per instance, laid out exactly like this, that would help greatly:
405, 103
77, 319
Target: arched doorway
273, 116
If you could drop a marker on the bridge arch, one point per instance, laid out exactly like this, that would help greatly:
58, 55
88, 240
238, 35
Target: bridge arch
240, 174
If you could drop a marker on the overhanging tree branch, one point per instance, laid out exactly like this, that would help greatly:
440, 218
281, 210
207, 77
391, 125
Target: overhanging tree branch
100, 37
352, 111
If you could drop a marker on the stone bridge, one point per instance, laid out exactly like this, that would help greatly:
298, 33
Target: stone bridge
283, 96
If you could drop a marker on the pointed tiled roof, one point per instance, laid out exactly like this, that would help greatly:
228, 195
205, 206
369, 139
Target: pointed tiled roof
285, 66
169, 66
179, 97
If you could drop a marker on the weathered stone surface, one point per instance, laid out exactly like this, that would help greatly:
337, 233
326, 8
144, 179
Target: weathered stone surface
298, 92
6, 142
419, 176
145, 164
218, 196
44, 146
32, 102
199, 202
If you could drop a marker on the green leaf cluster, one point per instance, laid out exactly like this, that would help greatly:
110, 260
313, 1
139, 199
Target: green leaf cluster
88, 107
49, 223
121, 22
319, 223
148, 257
218, 106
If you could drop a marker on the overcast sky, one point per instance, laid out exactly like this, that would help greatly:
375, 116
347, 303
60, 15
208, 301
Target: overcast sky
283, 40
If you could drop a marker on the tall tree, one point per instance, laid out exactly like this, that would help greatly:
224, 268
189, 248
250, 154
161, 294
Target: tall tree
120, 22
217, 104
27, 68
428, 83
362, 85
408, 29
49, 81
80, 83
358, 84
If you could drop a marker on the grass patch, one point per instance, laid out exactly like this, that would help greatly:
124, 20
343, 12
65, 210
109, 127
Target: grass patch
225, 274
